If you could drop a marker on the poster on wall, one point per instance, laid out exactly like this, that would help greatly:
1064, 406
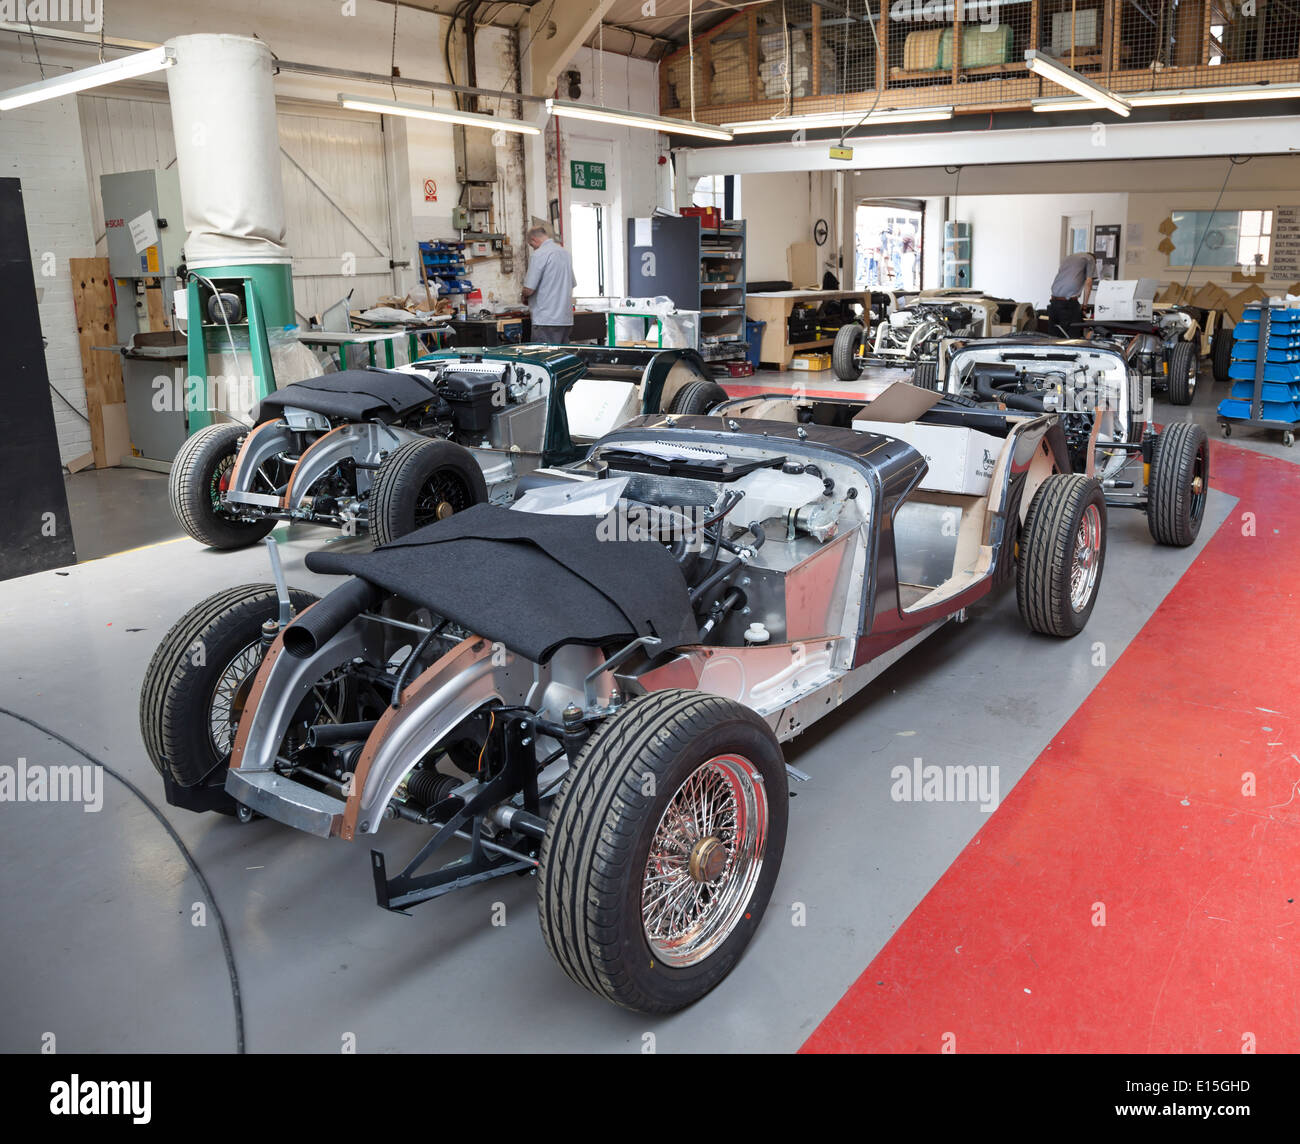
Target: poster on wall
1285, 261
1105, 249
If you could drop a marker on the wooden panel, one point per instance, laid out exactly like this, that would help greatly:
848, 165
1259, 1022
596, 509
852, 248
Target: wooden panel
754, 92
92, 296
816, 45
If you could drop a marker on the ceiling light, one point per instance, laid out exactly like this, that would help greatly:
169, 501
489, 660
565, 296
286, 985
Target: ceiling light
128, 67
1215, 94
613, 115
439, 114
1059, 74
812, 121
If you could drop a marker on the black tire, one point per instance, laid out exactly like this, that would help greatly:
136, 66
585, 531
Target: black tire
1180, 482
697, 397
420, 482
926, 375
595, 852
844, 353
1064, 505
1221, 354
1183, 367
176, 698
194, 489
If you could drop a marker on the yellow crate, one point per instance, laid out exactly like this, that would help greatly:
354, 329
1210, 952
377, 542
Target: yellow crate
811, 362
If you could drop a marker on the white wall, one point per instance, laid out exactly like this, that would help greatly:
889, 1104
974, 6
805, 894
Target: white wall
1016, 239
781, 209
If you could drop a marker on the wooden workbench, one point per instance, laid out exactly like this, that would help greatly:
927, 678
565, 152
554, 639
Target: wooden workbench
775, 309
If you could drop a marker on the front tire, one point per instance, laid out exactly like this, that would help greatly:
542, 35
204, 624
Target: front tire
421, 482
1183, 367
1062, 552
1221, 354
200, 474
198, 677
662, 849
1180, 482
844, 353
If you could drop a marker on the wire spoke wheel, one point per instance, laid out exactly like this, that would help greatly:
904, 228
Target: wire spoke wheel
443, 495
227, 703
704, 860
1085, 565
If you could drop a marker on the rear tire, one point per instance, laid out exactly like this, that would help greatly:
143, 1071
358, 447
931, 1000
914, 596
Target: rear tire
1062, 553
612, 852
844, 354
215, 644
1221, 354
194, 488
926, 375
1180, 482
1183, 367
697, 397
422, 482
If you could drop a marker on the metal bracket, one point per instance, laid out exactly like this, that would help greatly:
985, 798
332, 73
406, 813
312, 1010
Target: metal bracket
281, 588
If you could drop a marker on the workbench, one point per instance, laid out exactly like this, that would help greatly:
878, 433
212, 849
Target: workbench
775, 309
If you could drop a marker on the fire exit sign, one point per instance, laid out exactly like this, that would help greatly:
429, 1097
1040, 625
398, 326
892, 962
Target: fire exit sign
587, 176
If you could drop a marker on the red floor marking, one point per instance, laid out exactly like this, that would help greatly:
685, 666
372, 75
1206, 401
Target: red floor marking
1138, 804
786, 385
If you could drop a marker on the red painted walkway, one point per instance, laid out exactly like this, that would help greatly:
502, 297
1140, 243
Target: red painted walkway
1138, 806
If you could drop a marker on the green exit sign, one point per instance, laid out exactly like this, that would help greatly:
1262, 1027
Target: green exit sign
587, 176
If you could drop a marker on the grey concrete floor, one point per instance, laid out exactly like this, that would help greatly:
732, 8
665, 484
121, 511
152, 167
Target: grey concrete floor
100, 937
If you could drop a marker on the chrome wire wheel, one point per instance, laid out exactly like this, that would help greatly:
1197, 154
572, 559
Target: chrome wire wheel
1087, 559
228, 696
704, 861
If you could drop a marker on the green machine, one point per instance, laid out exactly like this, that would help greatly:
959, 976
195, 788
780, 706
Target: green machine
231, 309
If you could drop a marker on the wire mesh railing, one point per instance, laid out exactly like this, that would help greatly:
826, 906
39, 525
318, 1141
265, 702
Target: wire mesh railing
795, 57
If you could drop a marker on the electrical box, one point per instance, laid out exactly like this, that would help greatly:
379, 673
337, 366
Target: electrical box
143, 221
476, 154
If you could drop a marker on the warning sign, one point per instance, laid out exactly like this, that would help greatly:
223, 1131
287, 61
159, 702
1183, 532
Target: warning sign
430, 191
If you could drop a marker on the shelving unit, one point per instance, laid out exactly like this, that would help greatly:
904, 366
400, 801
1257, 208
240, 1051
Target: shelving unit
1265, 372
444, 263
701, 269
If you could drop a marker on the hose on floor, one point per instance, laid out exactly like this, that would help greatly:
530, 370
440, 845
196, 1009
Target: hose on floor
185, 853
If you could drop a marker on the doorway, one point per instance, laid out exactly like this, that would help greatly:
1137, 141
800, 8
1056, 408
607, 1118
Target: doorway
887, 247
1076, 233
586, 243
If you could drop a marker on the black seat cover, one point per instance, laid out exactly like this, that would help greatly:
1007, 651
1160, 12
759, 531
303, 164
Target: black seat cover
351, 395
531, 580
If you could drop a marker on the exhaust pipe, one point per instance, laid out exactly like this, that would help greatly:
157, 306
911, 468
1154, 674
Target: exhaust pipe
324, 620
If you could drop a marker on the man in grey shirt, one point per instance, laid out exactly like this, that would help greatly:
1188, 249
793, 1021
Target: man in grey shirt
1071, 289
548, 289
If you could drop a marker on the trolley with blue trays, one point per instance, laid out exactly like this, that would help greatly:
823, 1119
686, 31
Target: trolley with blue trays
1265, 371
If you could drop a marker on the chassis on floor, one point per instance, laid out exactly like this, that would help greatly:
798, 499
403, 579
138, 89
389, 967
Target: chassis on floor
593, 684
1164, 349
1105, 408
389, 450
915, 334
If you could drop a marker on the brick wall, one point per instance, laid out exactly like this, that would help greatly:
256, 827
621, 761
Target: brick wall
41, 146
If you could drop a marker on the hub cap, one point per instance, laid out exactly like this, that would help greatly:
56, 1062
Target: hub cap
443, 495
1087, 559
704, 861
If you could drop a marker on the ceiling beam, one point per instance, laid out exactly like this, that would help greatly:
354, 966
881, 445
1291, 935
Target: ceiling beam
555, 33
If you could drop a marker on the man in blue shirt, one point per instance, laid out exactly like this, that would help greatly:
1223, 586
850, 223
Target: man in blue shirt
548, 289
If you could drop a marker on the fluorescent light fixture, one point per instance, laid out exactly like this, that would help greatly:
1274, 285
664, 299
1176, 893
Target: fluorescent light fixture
1059, 74
128, 67
812, 121
613, 115
1215, 94
439, 114
1182, 95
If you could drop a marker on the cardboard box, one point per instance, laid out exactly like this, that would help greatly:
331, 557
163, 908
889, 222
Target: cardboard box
959, 460
1125, 299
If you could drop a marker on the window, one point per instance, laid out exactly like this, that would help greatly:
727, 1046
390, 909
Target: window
711, 191
1221, 238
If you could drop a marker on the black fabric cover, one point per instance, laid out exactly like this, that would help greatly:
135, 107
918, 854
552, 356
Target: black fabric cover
531, 580
351, 395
